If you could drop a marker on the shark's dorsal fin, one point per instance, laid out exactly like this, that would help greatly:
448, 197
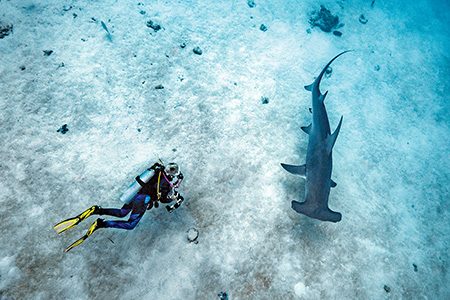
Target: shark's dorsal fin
332, 138
332, 183
322, 96
307, 129
296, 170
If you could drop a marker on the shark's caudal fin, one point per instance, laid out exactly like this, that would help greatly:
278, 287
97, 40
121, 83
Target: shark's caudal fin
324, 214
316, 83
296, 170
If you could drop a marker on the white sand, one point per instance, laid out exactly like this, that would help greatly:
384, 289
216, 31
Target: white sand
391, 160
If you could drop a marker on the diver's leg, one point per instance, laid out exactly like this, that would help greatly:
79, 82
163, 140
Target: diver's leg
139, 206
116, 212
127, 225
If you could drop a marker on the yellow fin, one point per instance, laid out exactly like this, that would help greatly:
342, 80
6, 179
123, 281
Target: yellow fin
93, 228
74, 244
66, 224
87, 213
90, 231
69, 223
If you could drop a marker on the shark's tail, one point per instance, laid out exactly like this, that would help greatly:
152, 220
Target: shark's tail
323, 214
316, 83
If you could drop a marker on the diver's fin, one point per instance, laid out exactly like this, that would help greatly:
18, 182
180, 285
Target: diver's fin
66, 224
71, 222
90, 231
332, 138
296, 170
332, 183
76, 243
307, 129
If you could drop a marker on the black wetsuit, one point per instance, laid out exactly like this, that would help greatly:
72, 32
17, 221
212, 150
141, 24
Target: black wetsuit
151, 187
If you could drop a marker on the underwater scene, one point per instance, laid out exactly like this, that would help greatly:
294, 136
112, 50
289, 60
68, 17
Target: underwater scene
239, 149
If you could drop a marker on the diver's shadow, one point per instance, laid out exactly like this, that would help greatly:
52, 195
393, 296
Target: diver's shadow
156, 224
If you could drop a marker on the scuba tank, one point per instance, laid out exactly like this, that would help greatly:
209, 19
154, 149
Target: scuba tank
134, 188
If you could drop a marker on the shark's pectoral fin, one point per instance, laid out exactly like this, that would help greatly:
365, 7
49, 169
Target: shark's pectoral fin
306, 129
332, 183
296, 170
309, 87
332, 138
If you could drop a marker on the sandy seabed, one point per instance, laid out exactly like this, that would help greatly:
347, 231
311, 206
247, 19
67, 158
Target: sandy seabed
391, 159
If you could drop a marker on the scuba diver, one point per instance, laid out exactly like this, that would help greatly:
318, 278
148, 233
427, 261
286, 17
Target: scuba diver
158, 183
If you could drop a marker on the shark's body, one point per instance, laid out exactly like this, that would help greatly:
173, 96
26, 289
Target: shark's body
319, 163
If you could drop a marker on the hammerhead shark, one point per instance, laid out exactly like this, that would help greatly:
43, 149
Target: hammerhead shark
319, 162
